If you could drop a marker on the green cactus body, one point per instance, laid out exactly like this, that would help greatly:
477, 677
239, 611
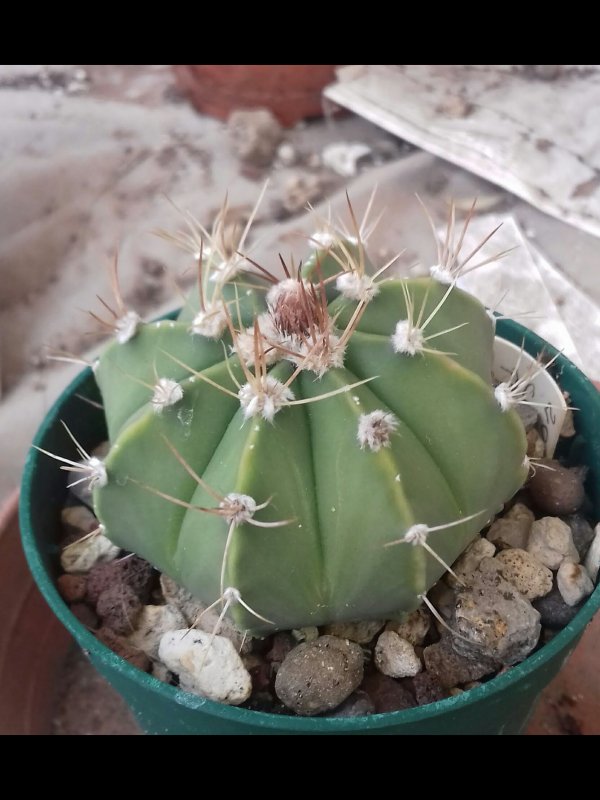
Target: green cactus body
452, 454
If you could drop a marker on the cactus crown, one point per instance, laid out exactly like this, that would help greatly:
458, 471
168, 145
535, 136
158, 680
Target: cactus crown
308, 449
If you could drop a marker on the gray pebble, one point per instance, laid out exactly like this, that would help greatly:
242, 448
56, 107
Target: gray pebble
551, 542
317, 676
360, 632
573, 583
526, 574
450, 668
557, 489
582, 532
359, 704
494, 621
413, 626
592, 559
395, 656
469, 561
554, 612
512, 530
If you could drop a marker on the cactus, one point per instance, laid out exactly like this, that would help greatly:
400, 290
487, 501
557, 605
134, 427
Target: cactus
306, 450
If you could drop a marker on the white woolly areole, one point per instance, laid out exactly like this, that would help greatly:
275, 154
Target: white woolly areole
232, 595
375, 429
353, 286
318, 355
286, 287
166, 393
126, 326
244, 345
503, 396
416, 534
441, 274
264, 397
96, 470
210, 322
238, 508
407, 339
321, 240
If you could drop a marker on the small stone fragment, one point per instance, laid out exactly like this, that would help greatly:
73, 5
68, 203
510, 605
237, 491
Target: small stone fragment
161, 672
494, 621
359, 704
551, 542
413, 627
556, 489
318, 676
77, 521
592, 559
71, 588
554, 612
255, 136
512, 530
395, 656
535, 445
207, 666
119, 608
573, 583
449, 667
344, 157
306, 634
152, 623
134, 572
359, 632
469, 561
122, 648
525, 573
582, 532
86, 615
427, 689
387, 694
81, 556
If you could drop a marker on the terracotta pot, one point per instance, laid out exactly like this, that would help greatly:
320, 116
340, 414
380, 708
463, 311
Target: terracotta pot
33, 643
291, 91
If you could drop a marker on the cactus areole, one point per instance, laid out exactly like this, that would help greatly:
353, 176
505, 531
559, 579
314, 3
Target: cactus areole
306, 450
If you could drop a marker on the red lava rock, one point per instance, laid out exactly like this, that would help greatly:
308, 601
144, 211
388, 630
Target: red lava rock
71, 588
386, 693
122, 648
119, 607
85, 615
426, 689
133, 572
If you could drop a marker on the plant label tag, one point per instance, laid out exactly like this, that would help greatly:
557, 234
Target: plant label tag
541, 389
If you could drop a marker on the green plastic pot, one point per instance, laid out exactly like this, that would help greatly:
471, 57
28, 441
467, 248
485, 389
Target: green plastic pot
503, 705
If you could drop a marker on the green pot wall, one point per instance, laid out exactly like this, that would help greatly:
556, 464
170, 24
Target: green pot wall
502, 705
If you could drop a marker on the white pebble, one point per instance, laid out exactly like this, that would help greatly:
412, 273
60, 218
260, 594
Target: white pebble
83, 555
152, 624
413, 627
592, 559
396, 657
208, 668
573, 583
551, 542
525, 573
